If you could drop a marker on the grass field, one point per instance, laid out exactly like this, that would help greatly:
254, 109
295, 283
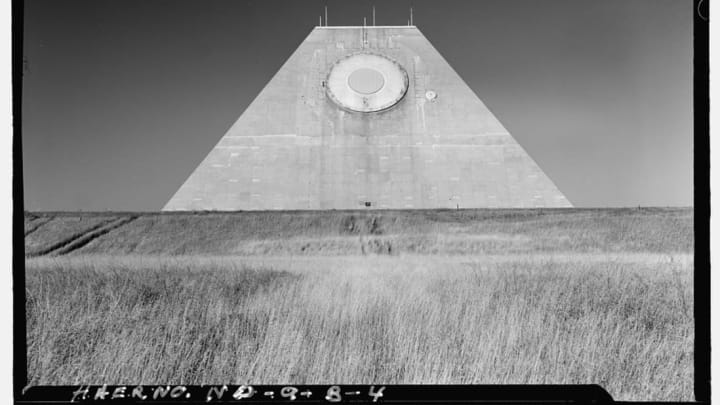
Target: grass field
487, 296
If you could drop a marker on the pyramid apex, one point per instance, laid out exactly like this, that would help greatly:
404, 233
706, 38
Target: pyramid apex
363, 27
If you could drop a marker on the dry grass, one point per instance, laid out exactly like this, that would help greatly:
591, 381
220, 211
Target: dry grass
384, 232
620, 320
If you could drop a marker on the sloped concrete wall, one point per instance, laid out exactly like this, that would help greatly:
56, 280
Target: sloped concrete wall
293, 148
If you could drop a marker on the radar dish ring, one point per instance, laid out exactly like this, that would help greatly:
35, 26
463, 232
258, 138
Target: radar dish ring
366, 82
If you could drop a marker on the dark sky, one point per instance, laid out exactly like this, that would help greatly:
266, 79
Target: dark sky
123, 99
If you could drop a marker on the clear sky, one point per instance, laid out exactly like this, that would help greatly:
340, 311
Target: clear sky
123, 99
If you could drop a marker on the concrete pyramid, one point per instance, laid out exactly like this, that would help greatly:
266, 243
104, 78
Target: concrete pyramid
366, 117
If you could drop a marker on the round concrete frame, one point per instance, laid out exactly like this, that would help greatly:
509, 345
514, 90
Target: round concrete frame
393, 90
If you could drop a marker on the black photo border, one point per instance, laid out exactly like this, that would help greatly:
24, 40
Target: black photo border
545, 394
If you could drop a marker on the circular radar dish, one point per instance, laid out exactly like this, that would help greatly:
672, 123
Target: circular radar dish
366, 82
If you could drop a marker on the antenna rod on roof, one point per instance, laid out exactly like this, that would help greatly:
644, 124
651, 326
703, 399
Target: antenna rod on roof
364, 21
320, 20
373, 16
411, 16
326, 16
